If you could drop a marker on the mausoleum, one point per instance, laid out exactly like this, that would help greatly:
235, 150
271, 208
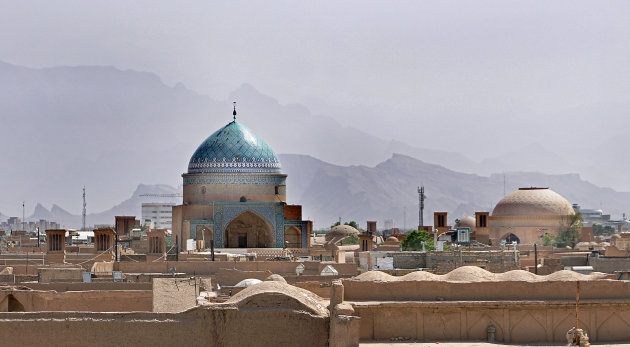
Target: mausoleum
234, 195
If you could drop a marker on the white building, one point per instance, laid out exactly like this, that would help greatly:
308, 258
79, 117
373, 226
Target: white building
161, 214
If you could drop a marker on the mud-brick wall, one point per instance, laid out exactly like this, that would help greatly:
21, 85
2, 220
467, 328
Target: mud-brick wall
444, 262
410, 261
356, 290
200, 326
518, 322
93, 301
609, 264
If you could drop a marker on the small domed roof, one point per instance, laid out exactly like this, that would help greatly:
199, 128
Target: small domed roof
276, 278
234, 149
248, 282
392, 239
615, 236
467, 222
533, 202
338, 232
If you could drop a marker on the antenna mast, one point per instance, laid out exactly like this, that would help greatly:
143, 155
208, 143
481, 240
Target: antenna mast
421, 205
84, 211
23, 227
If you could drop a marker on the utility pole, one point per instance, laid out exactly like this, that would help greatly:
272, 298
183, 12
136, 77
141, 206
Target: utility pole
421, 198
535, 260
84, 211
23, 227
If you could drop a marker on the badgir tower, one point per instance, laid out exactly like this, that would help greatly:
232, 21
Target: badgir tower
235, 195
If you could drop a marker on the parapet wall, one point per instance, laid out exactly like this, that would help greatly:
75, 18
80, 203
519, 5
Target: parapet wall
269, 314
521, 322
92, 301
461, 305
212, 267
357, 290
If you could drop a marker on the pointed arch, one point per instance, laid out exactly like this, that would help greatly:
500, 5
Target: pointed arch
248, 230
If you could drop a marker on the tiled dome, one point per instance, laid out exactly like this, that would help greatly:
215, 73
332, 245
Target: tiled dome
234, 149
533, 202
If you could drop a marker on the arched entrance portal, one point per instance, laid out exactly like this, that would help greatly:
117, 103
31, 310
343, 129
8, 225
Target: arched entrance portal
293, 237
511, 238
248, 230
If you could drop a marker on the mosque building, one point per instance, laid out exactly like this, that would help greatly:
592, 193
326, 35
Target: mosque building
526, 214
234, 195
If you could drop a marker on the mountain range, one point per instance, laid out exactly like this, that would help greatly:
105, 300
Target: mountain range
385, 191
109, 130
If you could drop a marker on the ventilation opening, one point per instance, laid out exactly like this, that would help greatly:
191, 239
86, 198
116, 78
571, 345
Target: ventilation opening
243, 199
15, 305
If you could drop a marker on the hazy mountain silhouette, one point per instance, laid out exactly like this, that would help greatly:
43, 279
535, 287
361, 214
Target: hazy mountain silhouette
385, 191
129, 207
108, 129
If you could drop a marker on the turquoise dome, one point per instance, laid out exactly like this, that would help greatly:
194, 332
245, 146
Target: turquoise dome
234, 149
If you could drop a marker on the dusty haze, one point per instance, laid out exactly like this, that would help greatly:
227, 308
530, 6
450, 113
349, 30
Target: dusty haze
510, 86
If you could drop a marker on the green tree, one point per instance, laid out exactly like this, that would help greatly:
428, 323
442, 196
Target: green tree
569, 234
548, 239
352, 239
599, 230
414, 239
350, 223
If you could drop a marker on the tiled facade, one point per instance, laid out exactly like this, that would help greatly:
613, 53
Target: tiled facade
234, 172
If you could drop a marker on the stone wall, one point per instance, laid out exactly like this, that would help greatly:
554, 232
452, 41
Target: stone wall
444, 262
609, 264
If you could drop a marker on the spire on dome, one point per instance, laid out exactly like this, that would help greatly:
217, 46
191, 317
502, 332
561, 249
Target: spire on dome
234, 112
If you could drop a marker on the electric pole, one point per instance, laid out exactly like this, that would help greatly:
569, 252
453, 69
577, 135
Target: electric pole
84, 211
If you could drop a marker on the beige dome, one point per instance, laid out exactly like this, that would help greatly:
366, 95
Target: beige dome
276, 278
339, 232
615, 236
467, 222
533, 202
392, 239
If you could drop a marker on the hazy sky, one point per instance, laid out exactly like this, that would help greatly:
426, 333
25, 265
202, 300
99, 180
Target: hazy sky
394, 60
477, 77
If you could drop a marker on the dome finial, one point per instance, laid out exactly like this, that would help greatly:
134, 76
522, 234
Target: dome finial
234, 112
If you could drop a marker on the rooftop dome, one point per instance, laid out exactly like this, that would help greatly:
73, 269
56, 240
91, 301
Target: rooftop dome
248, 282
533, 202
467, 222
339, 232
234, 149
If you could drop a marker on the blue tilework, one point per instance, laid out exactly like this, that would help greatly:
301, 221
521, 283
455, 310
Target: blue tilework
234, 149
279, 180
273, 213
